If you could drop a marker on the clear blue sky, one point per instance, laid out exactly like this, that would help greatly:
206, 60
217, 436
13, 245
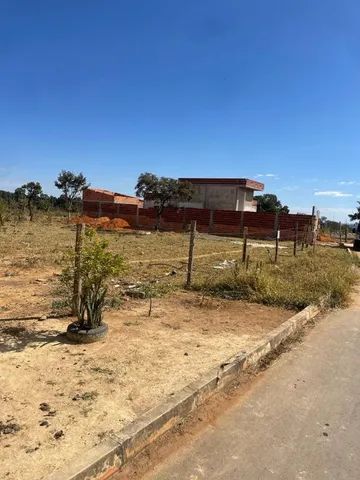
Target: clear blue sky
265, 89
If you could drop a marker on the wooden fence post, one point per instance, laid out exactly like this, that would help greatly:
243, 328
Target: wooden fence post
316, 229
296, 239
80, 229
313, 225
242, 222
346, 233
276, 222
245, 237
277, 246
247, 262
191, 252
340, 232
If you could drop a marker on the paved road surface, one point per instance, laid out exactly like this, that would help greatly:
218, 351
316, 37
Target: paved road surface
301, 421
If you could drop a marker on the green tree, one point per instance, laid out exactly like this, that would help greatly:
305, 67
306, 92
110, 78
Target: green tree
97, 267
32, 192
45, 202
355, 216
270, 203
71, 185
162, 191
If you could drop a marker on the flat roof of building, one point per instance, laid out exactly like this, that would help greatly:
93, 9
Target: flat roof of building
243, 182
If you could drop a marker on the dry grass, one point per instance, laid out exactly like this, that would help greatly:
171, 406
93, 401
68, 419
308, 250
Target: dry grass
160, 259
325, 276
26, 245
46, 242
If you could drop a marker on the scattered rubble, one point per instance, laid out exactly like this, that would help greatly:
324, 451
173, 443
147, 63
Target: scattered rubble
225, 265
85, 396
258, 245
45, 407
59, 434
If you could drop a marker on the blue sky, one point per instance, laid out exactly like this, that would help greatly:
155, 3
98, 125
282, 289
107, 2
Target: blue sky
260, 89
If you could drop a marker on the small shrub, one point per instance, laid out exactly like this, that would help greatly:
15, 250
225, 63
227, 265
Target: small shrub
97, 267
156, 289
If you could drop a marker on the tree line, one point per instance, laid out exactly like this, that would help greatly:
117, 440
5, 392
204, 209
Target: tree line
162, 191
31, 197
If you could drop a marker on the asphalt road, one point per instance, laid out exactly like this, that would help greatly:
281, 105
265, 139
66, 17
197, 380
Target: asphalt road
300, 421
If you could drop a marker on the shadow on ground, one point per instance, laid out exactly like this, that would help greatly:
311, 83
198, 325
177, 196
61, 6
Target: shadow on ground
16, 339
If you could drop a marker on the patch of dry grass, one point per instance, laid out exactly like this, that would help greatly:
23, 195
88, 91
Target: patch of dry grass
325, 276
49, 240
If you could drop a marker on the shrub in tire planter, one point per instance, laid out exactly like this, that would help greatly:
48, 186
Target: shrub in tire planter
96, 268
79, 334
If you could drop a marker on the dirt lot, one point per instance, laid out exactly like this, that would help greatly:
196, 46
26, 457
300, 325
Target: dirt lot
81, 394
30, 260
39, 246
58, 399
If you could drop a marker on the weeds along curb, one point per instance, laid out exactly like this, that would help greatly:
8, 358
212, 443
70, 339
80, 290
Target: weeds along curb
106, 458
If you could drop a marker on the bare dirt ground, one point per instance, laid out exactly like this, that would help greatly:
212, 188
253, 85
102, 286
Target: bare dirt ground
29, 292
58, 399
66, 398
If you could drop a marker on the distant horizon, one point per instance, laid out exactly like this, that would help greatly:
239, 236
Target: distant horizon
302, 210
264, 90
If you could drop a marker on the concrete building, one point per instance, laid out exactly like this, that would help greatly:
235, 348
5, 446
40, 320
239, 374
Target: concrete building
223, 194
236, 194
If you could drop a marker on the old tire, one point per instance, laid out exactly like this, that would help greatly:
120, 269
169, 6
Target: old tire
83, 335
357, 245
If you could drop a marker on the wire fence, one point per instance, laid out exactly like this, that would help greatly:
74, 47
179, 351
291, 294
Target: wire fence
194, 266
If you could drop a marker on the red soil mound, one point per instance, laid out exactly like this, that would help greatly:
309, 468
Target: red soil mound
90, 220
115, 224
102, 222
326, 238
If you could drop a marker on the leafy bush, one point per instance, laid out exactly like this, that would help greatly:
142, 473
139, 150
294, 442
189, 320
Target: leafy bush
97, 267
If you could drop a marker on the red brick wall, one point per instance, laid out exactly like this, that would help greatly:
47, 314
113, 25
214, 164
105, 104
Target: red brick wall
98, 195
224, 222
92, 195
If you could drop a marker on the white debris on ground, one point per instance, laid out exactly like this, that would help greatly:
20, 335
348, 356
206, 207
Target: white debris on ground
225, 265
258, 245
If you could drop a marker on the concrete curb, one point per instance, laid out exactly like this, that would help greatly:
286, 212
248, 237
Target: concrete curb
112, 454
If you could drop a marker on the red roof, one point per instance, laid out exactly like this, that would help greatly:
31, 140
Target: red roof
100, 194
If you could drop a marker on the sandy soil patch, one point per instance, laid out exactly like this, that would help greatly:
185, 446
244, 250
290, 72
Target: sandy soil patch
27, 292
67, 398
